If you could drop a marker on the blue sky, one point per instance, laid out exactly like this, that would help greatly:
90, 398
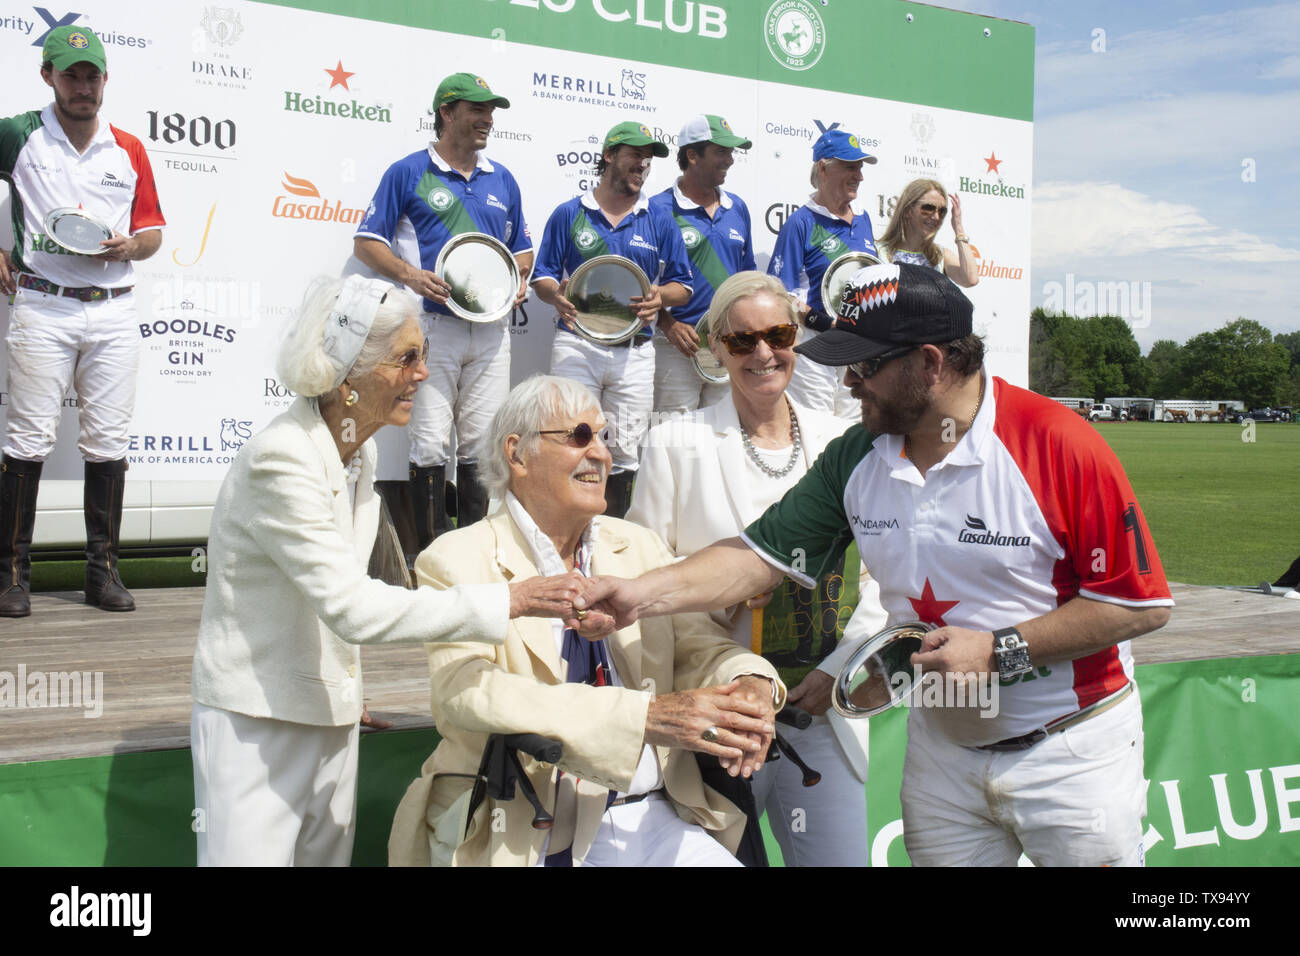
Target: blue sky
1139, 152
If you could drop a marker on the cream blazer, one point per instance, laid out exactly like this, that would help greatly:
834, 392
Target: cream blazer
693, 489
519, 687
288, 599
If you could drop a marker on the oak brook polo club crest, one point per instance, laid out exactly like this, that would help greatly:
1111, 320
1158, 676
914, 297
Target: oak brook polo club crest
690, 237
440, 198
794, 33
585, 239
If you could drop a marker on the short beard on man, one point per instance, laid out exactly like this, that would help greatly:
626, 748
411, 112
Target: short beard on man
900, 412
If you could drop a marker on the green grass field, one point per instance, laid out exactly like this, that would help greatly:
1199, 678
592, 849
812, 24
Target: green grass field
1221, 510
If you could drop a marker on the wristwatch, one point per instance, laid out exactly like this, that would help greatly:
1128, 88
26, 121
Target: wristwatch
1012, 653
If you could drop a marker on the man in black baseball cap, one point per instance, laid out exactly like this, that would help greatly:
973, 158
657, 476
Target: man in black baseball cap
891, 311
1004, 522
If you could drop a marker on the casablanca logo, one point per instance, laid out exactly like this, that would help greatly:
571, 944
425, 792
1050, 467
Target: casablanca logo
234, 433
78, 41
221, 25
323, 210
439, 199
586, 239
795, 34
691, 237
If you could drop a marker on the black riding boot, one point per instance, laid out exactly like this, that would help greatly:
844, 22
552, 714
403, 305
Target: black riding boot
105, 482
18, 486
429, 503
471, 499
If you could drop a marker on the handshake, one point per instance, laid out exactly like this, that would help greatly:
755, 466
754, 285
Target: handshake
735, 722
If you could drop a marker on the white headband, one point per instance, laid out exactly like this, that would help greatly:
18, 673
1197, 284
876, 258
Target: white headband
349, 323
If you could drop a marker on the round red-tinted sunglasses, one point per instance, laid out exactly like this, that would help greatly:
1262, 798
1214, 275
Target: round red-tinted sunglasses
579, 435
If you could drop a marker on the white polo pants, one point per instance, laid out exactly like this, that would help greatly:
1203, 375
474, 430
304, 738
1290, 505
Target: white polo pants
57, 341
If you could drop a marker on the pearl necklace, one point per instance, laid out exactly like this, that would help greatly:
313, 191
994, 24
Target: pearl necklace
757, 459
354, 468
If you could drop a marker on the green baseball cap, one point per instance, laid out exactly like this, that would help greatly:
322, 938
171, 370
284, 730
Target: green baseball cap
704, 128
467, 86
65, 46
633, 133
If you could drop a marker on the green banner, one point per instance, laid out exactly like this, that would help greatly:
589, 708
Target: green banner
1222, 755
879, 48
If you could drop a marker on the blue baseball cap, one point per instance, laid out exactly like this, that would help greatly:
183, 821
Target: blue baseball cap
840, 144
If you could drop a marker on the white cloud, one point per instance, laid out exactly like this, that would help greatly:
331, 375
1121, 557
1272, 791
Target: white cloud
1098, 219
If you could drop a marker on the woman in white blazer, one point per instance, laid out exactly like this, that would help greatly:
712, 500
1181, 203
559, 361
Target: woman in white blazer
277, 676
707, 476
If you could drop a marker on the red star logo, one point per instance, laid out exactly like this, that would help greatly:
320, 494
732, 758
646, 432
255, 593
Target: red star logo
930, 610
991, 160
339, 76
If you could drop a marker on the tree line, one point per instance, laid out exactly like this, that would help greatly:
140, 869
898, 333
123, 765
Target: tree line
1097, 356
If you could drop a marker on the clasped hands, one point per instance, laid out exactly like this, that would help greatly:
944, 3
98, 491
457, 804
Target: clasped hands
734, 722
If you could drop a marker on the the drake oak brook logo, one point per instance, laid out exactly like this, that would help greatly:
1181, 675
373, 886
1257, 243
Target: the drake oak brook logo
977, 532
324, 210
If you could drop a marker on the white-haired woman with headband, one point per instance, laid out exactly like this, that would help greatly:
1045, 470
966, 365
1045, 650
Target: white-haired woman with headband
918, 217
277, 676
707, 476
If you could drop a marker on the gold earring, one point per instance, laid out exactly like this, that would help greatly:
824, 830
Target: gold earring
353, 397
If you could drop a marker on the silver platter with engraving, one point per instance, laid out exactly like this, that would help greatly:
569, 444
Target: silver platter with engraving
838, 273
879, 675
76, 231
602, 290
483, 275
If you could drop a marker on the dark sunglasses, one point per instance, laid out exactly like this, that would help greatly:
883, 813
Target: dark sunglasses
410, 357
579, 435
777, 336
864, 370
932, 208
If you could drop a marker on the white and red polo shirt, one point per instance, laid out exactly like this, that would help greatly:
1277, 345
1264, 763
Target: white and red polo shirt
1028, 511
112, 181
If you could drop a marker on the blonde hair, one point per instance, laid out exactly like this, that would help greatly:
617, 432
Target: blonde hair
744, 285
894, 235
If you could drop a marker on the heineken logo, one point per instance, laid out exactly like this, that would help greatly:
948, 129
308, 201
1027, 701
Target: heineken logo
999, 189
691, 237
794, 33
586, 239
440, 199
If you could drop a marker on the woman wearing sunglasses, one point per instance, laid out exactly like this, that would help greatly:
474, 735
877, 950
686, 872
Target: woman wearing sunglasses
707, 476
917, 218
277, 670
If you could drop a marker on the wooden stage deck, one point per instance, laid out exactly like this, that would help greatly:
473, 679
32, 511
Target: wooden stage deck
145, 661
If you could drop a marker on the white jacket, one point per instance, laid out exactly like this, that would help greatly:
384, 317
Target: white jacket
288, 599
692, 489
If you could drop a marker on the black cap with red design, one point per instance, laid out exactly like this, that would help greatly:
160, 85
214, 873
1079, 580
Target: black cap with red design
889, 305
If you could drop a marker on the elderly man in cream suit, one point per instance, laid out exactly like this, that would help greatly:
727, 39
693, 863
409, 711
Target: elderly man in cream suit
694, 490
627, 790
